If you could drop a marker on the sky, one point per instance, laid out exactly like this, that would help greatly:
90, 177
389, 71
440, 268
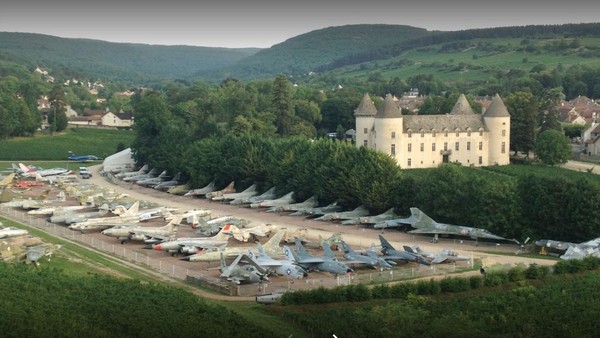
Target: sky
263, 23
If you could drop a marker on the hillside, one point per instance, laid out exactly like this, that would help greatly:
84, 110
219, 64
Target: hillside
119, 61
316, 49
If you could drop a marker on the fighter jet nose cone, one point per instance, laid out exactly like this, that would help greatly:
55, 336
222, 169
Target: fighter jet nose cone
149, 246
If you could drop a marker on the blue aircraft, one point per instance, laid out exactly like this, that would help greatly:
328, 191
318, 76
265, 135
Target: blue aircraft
82, 158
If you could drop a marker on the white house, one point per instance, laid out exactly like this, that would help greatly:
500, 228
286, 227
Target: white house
119, 120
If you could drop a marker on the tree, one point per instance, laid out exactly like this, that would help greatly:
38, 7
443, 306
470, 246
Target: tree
553, 147
282, 101
56, 116
523, 108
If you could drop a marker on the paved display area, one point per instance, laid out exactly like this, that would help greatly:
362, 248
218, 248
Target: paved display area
357, 237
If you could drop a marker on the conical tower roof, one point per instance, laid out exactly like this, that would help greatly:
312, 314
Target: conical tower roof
496, 108
390, 108
366, 107
462, 107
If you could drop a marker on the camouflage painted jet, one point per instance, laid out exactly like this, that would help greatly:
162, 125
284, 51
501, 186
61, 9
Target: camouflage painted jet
310, 211
202, 191
243, 274
371, 219
249, 192
282, 267
354, 257
192, 245
358, 212
140, 233
445, 255
311, 202
227, 190
283, 200
267, 195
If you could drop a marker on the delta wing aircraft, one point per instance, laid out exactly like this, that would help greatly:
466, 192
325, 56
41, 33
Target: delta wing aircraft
167, 184
564, 246
271, 247
390, 214
201, 191
311, 202
249, 192
423, 224
135, 178
390, 253
267, 195
152, 181
227, 190
310, 262
141, 171
445, 255
332, 216
192, 245
315, 211
140, 233
282, 267
243, 274
283, 200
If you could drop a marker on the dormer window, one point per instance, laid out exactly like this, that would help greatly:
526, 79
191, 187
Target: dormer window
469, 132
410, 133
457, 132
422, 133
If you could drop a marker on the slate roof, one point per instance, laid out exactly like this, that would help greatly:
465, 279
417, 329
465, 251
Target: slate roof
428, 123
497, 108
462, 107
390, 108
366, 107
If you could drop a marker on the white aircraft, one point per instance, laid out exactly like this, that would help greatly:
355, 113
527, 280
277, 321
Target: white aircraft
12, 232
30, 172
191, 245
101, 223
57, 210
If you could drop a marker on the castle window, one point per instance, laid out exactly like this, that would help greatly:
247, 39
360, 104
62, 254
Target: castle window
503, 132
456, 146
434, 132
409, 162
433, 147
365, 143
409, 133
409, 147
422, 146
503, 147
445, 146
469, 132
366, 130
393, 150
445, 132
480, 160
480, 145
468, 145
480, 132
457, 132
393, 134
422, 133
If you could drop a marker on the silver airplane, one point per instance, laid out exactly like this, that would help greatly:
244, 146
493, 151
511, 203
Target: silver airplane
390, 214
74, 217
192, 245
135, 178
390, 253
243, 274
57, 210
309, 211
152, 181
142, 170
167, 184
249, 192
129, 217
282, 267
267, 195
283, 200
358, 212
201, 191
140, 233
311, 202
564, 246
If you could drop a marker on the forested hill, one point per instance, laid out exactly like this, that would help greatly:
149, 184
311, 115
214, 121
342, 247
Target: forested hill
313, 50
107, 60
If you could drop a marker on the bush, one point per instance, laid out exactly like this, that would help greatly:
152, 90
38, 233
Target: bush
475, 282
516, 274
495, 278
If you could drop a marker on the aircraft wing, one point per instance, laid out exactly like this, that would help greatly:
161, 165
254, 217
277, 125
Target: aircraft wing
440, 259
311, 260
432, 232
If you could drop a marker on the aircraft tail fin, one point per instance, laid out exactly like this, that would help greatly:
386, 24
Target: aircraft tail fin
385, 245
24, 168
421, 219
289, 254
133, 209
328, 252
346, 247
274, 241
7, 180
301, 250
408, 248
225, 232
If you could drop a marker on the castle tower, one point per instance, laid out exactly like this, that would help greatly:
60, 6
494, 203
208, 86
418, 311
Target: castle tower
462, 107
497, 120
365, 120
388, 127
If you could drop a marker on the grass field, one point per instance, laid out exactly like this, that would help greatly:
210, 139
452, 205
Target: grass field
84, 141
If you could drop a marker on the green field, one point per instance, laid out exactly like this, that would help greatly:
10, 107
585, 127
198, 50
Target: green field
84, 141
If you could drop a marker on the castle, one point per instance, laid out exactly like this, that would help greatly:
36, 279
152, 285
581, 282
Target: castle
426, 141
